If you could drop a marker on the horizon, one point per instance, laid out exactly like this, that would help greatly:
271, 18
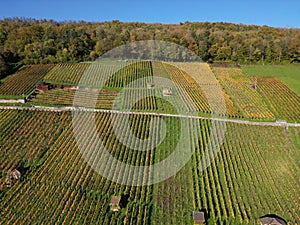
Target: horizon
142, 22
277, 14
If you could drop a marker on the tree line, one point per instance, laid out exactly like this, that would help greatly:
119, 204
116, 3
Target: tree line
31, 41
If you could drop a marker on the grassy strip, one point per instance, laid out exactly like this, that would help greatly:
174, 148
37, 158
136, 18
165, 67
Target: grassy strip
288, 74
12, 97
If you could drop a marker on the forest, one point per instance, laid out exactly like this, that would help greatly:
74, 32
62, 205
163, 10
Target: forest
31, 41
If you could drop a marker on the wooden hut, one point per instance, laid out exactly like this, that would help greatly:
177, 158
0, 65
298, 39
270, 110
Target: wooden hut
115, 203
41, 86
199, 217
253, 86
15, 175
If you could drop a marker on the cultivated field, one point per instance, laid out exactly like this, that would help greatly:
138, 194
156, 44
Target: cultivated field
23, 81
238, 86
193, 85
65, 97
283, 102
255, 172
288, 74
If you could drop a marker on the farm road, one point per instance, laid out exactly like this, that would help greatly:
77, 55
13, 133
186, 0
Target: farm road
64, 109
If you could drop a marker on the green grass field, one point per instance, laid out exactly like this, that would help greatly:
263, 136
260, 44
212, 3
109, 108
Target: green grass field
288, 74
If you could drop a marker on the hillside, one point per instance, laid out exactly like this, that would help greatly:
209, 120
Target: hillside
153, 133
194, 89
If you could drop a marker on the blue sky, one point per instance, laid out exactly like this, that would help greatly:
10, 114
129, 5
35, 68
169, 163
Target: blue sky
276, 13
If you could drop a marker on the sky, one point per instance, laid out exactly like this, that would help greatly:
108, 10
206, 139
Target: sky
275, 13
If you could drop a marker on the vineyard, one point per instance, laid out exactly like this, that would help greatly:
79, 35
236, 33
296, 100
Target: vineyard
65, 184
24, 80
85, 74
195, 88
255, 172
249, 102
251, 176
129, 74
190, 95
282, 100
65, 97
66, 73
200, 84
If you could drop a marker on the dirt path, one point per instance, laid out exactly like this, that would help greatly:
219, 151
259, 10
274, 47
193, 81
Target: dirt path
64, 109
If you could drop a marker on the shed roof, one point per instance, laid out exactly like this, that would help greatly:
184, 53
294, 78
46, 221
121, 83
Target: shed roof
16, 172
115, 200
272, 220
199, 216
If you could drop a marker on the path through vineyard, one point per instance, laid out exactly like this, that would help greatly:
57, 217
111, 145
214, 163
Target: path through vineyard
64, 109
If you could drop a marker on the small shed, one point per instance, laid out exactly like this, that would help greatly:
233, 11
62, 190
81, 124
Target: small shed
272, 220
15, 174
115, 203
167, 92
42, 86
199, 217
253, 85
